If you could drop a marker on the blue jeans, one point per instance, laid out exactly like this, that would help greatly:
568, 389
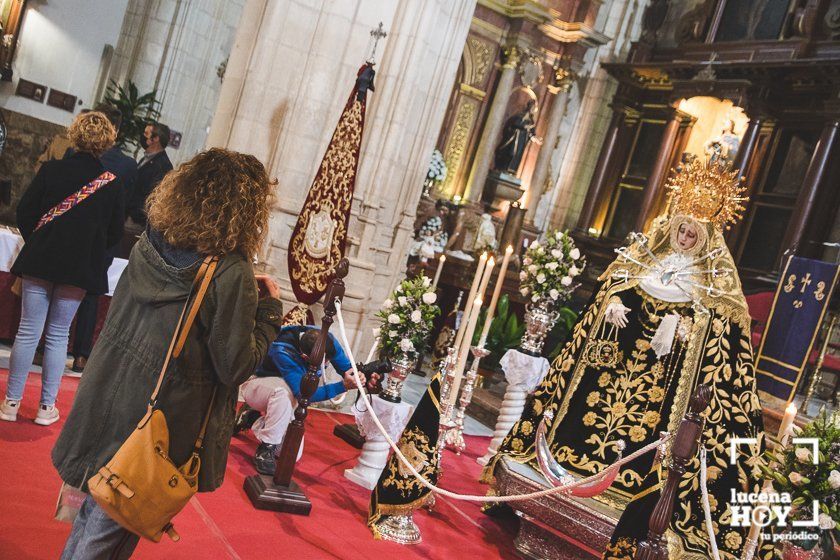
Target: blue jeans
95, 536
46, 309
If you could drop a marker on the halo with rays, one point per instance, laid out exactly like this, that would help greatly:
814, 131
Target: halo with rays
709, 191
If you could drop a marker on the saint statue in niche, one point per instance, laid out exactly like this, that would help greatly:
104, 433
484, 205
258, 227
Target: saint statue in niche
725, 146
485, 239
517, 133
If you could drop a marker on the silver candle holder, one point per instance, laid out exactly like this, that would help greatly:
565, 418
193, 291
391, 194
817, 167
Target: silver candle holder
454, 437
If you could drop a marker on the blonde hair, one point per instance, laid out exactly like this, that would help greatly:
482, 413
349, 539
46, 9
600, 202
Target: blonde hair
217, 203
92, 132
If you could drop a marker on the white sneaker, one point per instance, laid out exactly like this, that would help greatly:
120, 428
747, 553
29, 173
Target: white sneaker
9, 410
47, 414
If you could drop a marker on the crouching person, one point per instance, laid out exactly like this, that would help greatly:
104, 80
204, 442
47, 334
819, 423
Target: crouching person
271, 394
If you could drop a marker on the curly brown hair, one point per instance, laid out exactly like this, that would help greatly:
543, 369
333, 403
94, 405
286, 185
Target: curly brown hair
217, 203
92, 132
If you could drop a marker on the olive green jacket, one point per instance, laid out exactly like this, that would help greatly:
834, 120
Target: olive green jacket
228, 340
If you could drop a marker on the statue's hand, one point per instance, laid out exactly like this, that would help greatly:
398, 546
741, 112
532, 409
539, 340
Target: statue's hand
616, 313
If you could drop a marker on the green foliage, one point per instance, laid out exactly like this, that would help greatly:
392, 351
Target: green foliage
505, 333
806, 482
559, 334
137, 112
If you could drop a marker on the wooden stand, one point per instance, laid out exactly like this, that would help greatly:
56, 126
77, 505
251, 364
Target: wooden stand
350, 434
684, 448
281, 493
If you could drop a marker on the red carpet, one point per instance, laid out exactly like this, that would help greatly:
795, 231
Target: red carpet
223, 525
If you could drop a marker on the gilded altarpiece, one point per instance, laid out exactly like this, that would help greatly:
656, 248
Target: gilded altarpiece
466, 107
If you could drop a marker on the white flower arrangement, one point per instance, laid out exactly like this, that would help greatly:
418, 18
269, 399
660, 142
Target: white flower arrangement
437, 168
550, 267
407, 317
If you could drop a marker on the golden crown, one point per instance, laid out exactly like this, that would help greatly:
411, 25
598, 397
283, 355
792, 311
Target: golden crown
708, 191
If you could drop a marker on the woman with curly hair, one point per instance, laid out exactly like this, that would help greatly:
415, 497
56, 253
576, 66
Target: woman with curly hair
61, 259
216, 204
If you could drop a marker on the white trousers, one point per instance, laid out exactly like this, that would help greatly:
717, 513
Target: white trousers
273, 397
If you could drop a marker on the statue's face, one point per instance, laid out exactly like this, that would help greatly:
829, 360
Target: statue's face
687, 236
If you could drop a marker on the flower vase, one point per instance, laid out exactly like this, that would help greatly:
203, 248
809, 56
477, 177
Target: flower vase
539, 318
792, 552
402, 365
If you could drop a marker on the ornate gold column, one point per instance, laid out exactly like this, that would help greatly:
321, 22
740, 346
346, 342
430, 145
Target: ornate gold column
562, 80
493, 125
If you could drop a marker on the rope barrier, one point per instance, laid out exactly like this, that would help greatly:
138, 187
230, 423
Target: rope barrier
707, 512
469, 497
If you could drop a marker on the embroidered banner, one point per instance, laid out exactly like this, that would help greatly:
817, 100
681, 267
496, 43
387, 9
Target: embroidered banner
800, 303
320, 235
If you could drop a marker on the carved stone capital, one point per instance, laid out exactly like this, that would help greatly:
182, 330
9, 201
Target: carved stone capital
562, 76
512, 55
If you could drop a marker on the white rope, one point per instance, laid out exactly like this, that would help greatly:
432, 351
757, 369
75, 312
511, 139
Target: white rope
706, 508
469, 497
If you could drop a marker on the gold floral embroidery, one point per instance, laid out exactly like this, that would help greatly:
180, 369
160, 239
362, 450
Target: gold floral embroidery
651, 418
415, 445
637, 434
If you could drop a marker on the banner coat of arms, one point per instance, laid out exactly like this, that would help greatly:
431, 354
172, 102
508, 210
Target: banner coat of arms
320, 235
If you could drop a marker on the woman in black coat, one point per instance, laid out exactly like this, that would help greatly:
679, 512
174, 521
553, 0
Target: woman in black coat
62, 257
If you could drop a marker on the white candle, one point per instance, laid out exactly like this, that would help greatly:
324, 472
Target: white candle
459, 336
465, 350
372, 349
485, 278
491, 310
437, 272
787, 422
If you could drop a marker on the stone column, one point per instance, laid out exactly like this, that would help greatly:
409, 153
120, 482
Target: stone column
660, 169
559, 90
807, 199
493, 125
178, 48
288, 77
599, 178
747, 147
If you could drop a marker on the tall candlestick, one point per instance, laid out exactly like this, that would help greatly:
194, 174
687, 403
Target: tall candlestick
459, 336
465, 350
787, 422
491, 310
437, 272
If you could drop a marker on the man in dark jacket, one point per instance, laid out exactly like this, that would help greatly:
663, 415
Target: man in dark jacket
150, 170
125, 168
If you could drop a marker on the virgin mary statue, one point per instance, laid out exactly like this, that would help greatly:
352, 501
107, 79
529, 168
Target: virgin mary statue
668, 314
